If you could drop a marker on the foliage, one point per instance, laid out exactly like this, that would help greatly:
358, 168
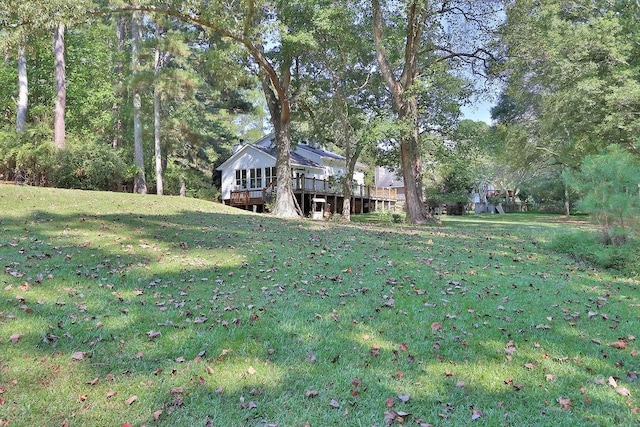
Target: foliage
181, 312
572, 77
610, 186
89, 165
27, 157
589, 247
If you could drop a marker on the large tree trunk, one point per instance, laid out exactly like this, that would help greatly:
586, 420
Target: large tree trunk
412, 170
59, 132
156, 116
121, 35
351, 154
405, 107
139, 181
23, 88
567, 204
286, 205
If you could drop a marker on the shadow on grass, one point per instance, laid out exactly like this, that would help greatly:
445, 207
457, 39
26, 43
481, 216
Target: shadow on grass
262, 321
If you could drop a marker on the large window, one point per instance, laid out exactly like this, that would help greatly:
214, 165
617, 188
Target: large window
269, 175
241, 178
255, 180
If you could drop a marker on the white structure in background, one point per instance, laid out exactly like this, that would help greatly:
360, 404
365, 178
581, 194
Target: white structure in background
248, 177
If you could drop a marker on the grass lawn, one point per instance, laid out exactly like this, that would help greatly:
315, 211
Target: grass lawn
120, 309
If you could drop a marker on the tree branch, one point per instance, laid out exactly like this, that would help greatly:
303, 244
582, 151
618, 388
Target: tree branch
253, 49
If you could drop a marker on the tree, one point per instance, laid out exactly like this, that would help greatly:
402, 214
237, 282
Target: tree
609, 183
23, 88
158, 64
573, 85
451, 33
275, 36
139, 181
61, 87
339, 87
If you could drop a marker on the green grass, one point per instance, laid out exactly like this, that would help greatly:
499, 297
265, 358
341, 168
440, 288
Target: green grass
268, 322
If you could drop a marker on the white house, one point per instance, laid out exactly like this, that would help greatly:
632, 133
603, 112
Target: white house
248, 175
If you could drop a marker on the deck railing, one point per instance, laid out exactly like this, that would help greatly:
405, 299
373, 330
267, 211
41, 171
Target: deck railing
332, 188
313, 185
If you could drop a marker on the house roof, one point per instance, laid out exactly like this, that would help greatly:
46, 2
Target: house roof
321, 152
296, 159
387, 178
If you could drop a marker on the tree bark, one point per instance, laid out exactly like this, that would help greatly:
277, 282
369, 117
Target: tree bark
280, 112
23, 88
156, 116
121, 31
59, 129
139, 181
567, 204
405, 107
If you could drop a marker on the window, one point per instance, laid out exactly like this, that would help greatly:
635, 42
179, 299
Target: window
241, 178
255, 180
269, 175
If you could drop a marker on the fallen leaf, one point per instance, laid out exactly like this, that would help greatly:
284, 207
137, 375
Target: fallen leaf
436, 326
177, 390
529, 366
476, 413
156, 415
565, 403
78, 355
15, 338
153, 334
623, 391
460, 384
130, 400
404, 398
550, 377
620, 344
334, 404
311, 393
251, 370
111, 394
612, 382
375, 350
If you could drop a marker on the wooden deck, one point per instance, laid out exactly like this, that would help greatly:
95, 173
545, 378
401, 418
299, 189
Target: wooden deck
363, 198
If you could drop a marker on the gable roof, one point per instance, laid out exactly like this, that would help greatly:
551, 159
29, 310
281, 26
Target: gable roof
296, 159
321, 152
387, 178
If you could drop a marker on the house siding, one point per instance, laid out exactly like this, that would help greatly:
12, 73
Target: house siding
252, 158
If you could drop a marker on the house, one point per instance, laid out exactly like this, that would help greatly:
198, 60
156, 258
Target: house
249, 178
387, 178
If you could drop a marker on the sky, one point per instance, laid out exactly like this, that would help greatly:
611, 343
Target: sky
480, 111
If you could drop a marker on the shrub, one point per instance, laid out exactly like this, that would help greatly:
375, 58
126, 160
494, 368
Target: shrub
608, 183
588, 247
89, 166
27, 156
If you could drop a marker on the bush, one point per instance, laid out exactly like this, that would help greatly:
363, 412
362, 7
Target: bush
197, 184
589, 247
27, 157
608, 183
89, 166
